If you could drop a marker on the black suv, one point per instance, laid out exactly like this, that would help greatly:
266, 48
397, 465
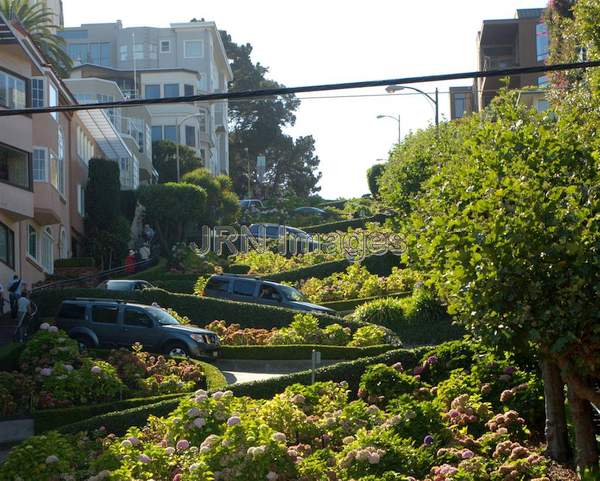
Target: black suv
114, 323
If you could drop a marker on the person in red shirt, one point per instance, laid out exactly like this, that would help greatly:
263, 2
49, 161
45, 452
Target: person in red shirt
130, 262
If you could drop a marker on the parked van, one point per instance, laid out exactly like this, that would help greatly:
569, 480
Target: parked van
252, 289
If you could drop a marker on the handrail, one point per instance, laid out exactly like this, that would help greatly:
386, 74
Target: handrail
100, 276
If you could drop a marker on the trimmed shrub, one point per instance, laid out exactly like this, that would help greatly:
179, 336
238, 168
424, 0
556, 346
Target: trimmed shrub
318, 271
382, 265
301, 352
419, 319
238, 269
344, 225
182, 286
351, 304
74, 262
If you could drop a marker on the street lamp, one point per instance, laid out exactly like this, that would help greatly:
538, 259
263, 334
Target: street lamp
436, 101
397, 119
178, 136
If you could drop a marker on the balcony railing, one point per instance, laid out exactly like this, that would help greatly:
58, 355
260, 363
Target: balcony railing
499, 63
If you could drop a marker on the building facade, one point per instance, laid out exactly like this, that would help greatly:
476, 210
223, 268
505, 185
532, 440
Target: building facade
145, 62
501, 44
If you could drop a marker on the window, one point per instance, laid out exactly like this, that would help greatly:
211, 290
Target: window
53, 100
72, 311
32, 247
542, 105
138, 51
135, 317
542, 43
14, 167
40, 172
7, 246
193, 48
37, 92
81, 200
216, 284
171, 90
153, 51
170, 133
47, 259
95, 53
152, 91
244, 287
113, 113
188, 90
123, 53
460, 105
149, 140
63, 246
13, 91
60, 163
190, 136
54, 169
85, 148
543, 81
73, 34
156, 133
165, 46
105, 314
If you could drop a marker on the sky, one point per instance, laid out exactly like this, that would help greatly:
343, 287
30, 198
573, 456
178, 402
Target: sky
328, 41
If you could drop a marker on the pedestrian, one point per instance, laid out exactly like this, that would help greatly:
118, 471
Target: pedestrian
14, 292
130, 262
145, 254
148, 233
23, 310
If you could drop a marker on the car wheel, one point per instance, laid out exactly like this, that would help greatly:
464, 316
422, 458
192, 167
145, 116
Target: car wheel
177, 350
84, 343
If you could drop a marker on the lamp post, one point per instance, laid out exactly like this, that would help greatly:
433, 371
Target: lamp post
435, 101
178, 136
397, 119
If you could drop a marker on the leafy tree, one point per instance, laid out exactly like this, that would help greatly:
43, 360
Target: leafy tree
257, 129
164, 159
374, 173
220, 200
107, 231
38, 20
171, 207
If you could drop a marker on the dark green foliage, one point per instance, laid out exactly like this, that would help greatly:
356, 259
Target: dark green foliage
128, 204
238, 269
344, 225
75, 262
381, 265
164, 160
383, 380
351, 304
107, 231
185, 285
222, 205
449, 356
301, 352
9, 356
373, 175
319, 271
419, 419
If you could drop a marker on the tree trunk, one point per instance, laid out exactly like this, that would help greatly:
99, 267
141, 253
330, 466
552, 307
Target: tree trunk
556, 421
585, 437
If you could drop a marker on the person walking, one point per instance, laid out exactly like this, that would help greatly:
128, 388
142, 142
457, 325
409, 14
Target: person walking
14, 292
23, 310
145, 255
148, 233
130, 262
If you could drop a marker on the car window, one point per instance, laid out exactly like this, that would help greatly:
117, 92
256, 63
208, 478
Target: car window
119, 285
217, 284
72, 311
269, 292
105, 314
244, 287
273, 231
136, 317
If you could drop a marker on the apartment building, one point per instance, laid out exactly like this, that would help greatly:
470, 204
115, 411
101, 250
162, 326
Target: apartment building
56, 6
184, 59
507, 43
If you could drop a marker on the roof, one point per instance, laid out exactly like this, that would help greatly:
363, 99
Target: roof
130, 71
105, 134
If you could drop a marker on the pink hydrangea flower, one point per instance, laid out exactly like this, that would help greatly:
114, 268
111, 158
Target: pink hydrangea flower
233, 420
133, 440
96, 369
44, 326
279, 437
374, 458
199, 422
52, 459
47, 371
398, 367
170, 450
182, 445
467, 454
53, 329
272, 476
144, 458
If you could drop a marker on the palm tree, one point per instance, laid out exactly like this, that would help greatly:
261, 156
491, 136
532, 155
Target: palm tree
38, 20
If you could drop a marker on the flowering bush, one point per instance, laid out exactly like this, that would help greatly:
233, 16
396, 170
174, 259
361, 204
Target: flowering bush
368, 336
234, 335
16, 393
47, 347
268, 262
401, 429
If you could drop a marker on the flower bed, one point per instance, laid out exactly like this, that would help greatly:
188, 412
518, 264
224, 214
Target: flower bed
304, 329
400, 428
53, 373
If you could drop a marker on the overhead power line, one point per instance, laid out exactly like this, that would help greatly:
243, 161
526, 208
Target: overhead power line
262, 93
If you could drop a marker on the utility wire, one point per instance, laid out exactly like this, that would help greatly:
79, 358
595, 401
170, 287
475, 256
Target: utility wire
251, 94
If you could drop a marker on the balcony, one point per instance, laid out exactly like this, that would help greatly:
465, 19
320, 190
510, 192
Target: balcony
499, 63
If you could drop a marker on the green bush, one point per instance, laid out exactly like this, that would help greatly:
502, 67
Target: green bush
382, 265
75, 262
419, 319
344, 225
9, 356
386, 381
351, 304
200, 310
182, 286
301, 352
238, 269
318, 271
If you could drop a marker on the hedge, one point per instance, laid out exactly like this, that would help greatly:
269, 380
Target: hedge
350, 304
344, 225
118, 422
75, 262
200, 310
238, 269
9, 356
49, 419
182, 286
301, 352
318, 271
